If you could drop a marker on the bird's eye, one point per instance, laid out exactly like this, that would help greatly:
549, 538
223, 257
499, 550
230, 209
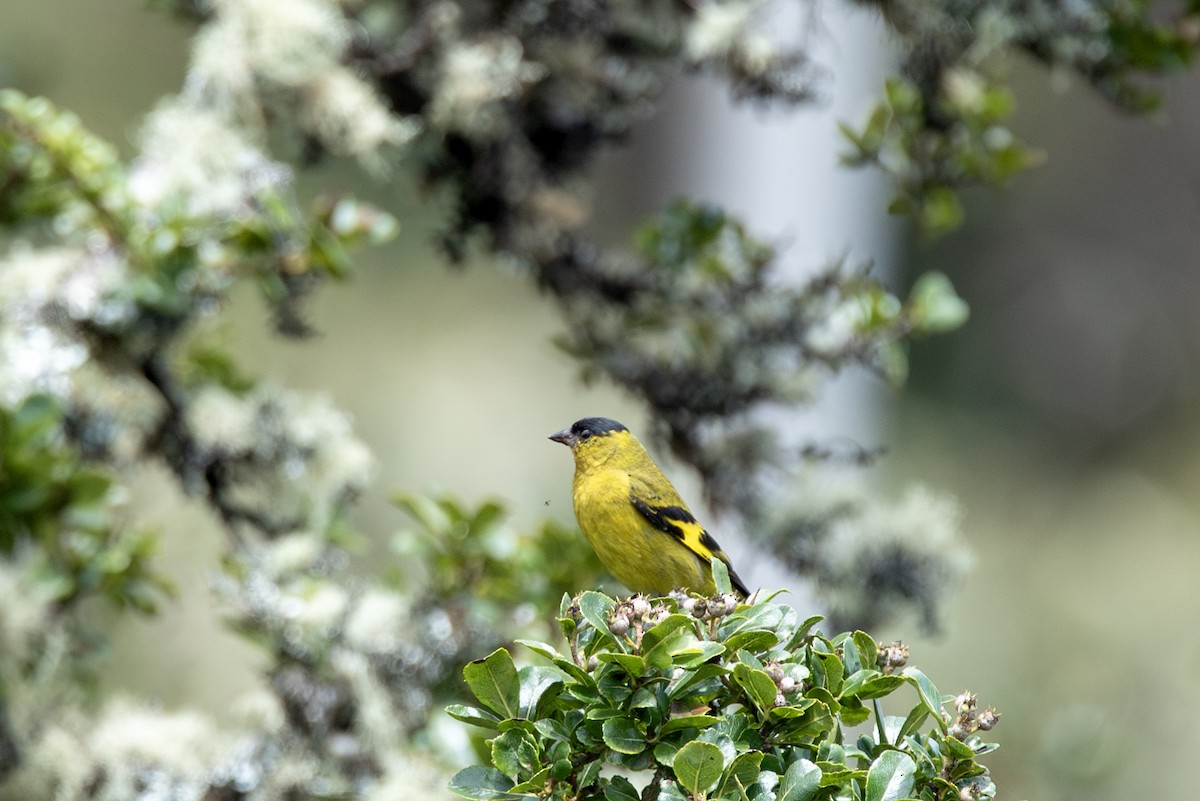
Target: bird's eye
585, 434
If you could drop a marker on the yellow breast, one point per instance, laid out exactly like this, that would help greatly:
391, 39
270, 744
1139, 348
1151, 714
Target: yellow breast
638, 555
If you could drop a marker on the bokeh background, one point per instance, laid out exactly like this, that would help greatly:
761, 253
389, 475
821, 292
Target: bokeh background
1065, 416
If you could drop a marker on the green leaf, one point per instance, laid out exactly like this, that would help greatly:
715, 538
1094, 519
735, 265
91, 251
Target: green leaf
687, 722
868, 684
751, 641
800, 783
632, 664
868, 649
893, 361
940, 210
484, 784
912, 723
795, 710
541, 649
38, 417
596, 607
720, 572
473, 715
663, 629
834, 670
664, 753
537, 782
699, 680
892, 776
561, 662
742, 773
536, 682
852, 713
622, 735
810, 621
698, 766
515, 754
494, 682
589, 773
758, 686
832, 753
670, 791
839, 775
930, 697
934, 306
620, 789
645, 697
958, 749
816, 722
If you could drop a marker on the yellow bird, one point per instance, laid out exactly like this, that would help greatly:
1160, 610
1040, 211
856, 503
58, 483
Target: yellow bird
633, 517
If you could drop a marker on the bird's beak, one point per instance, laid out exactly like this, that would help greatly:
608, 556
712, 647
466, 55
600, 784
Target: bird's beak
565, 437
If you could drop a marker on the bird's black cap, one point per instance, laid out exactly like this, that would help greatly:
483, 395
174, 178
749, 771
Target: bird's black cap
586, 428
597, 425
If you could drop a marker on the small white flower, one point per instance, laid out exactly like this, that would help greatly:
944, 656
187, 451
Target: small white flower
475, 74
25, 607
196, 156
315, 606
378, 720
260, 709
716, 29
183, 743
965, 90
39, 349
286, 41
292, 553
221, 421
838, 328
376, 621
922, 520
351, 119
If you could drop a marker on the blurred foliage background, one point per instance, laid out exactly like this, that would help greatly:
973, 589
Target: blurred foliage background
1064, 416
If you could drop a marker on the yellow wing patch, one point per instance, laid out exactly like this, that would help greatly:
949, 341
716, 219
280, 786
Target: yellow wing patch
680, 524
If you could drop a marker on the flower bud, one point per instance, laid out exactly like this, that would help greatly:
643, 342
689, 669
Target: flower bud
893, 656
987, 718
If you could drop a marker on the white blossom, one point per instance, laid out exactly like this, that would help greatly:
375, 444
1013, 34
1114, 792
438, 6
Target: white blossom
839, 326
198, 157
129, 750
25, 605
41, 292
292, 553
375, 623
475, 74
377, 720
405, 770
922, 520
184, 742
315, 607
221, 421
717, 29
350, 118
259, 709
290, 42
336, 462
